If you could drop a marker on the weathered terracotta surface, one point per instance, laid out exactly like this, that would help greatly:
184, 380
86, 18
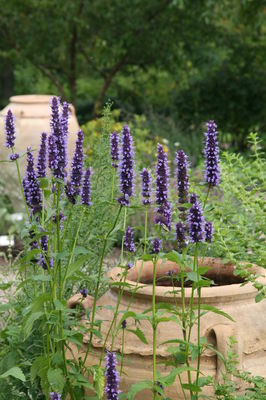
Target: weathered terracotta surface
32, 117
249, 327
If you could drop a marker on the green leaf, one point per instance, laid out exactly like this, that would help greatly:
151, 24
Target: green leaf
56, 379
215, 310
75, 266
42, 278
5, 286
138, 387
192, 276
5, 307
260, 296
138, 332
29, 323
16, 372
43, 183
81, 250
174, 256
147, 257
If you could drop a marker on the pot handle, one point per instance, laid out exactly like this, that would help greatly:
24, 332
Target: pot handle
78, 299
220, 338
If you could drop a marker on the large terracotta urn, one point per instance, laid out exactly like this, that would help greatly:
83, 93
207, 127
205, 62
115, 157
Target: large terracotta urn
32, 117
229, 295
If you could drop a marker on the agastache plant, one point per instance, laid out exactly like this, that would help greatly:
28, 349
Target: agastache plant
77, 166
164, 211
59, 135
112, 377
86, 188
126, 167
10, 130
211, 151
208, 232
196, 223
128, 241
41, 161
31, 187
182, 176
146, 183
114, 148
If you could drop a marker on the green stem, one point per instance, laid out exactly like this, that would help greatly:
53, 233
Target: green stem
122, 355
199, 348
98, 283
207, 195
145, 229
113, 185
154, 325
73, 247
124, 230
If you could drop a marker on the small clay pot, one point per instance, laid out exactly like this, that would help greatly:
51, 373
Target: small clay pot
228, 295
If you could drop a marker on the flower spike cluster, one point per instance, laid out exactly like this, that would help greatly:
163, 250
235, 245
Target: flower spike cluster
55, 396
196, 223
10, 130
59, 140
41, 161
112, 377
128, 240
181, 235
114, 148
126, 167
164, 211
13, 157
182, 176
208, 232
73, 187
86, 188
156, 246
31, 187
211, 151
146, 186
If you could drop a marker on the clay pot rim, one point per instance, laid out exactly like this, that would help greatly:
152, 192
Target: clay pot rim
30, 99
227, 293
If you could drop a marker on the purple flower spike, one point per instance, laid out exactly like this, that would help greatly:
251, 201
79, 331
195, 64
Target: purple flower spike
70, 192
156, 246
112, 377
181, 235
162, 181
146, 186
124, 324
52, 153
42, 259
208, 232
77, 165
55, 396
196, 223
64, 119
86, 188
128, 240
84, 292
130, 265
31, 187
193, 198
57, 131
41, 162
13, 157
126, 167
182, 176
114, 148
10, 130
211, 151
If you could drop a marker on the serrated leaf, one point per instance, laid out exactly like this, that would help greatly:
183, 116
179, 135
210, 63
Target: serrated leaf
29, 323
138, 387
16, 372
56, 379
138, 332
215, 310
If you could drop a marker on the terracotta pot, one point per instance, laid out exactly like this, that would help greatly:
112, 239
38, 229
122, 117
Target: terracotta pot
233, 298
32, 117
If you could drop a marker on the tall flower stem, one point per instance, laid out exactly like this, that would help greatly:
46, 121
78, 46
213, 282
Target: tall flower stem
122, 355
73, 247
124, 230
145, 229
207, 195
154, 325
98, 282
198, 339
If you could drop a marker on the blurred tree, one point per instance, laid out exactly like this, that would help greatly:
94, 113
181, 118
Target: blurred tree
193, 59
